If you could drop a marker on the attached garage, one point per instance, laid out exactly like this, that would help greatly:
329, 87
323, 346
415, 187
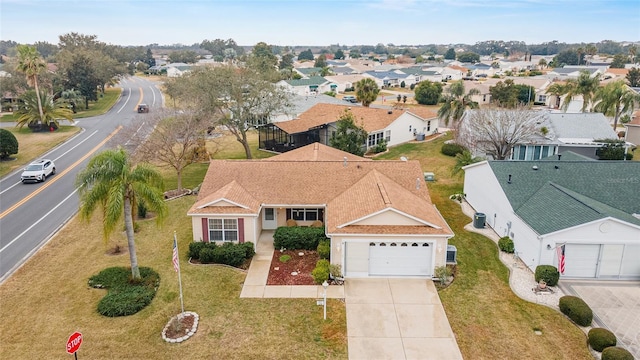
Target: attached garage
610, 261
388, 258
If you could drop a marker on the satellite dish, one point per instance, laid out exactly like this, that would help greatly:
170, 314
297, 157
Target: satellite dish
403, 158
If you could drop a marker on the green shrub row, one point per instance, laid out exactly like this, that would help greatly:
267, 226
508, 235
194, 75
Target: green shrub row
506, 244
324, 249
452, 149
548, 273
125, 296
321, 272
616, 353
231, 254
298, 238
600, 339
576, 309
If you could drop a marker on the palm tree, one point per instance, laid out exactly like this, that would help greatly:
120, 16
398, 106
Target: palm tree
585, 86
455, 102
591, 50
615, 99
42, 110
112, 183
31, 64
463, 159
366, 91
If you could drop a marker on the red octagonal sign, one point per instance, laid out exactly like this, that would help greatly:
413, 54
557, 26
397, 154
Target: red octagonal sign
74, 342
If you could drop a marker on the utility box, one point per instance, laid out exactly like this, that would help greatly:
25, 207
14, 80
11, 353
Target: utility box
452, 254
429, 176
420, 137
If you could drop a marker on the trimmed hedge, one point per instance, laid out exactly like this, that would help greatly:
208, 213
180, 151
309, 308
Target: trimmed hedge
231, 254
452, 149
321, 272
125, 296
616, 353
298, 238
576, 309
548, 273
324, 249
600, 339
506, 244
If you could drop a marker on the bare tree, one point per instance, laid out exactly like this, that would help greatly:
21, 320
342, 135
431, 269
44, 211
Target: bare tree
495, 132
177, 140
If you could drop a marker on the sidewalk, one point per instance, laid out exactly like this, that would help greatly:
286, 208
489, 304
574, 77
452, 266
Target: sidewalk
255, 284
521, 278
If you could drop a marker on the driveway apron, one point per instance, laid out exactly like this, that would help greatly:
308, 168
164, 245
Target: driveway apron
397, 319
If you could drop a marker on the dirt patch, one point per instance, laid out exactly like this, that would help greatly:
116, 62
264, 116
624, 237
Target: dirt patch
280, 273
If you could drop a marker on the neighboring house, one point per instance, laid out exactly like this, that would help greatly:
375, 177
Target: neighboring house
378, 214
573, 72
563, 132
591, 209
632, 130
306, 73
300, 104
309, 86
342, 70
387, 79
318, 124
344, 81
177, 71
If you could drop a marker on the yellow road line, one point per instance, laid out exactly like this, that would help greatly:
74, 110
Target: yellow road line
60, 175
139, 101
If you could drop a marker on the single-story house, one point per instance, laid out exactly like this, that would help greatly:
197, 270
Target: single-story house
378, 214
588, 209
557, 132
344, 82
318, 124
386, 79
308, 86
632, 130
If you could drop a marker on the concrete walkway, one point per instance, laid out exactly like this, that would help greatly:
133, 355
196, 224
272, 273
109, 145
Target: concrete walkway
255, 284
397, 319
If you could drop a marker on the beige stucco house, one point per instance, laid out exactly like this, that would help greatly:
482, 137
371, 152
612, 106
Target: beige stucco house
378, 214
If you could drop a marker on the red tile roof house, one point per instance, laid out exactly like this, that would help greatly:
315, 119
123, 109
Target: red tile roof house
378, 214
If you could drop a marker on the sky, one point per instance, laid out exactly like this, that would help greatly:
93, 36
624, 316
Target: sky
322, 22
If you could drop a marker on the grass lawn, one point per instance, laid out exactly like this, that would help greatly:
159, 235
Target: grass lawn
48, 299
32, 145
227, 147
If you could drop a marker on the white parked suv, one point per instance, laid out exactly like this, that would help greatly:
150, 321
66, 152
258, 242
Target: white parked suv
38, 170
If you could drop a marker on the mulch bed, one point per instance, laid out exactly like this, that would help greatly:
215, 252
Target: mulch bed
303, 265
180, 326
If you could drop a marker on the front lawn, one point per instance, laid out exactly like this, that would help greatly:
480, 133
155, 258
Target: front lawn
48, 299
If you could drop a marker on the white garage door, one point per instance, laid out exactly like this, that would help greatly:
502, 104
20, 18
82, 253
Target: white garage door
581, 260
400, 259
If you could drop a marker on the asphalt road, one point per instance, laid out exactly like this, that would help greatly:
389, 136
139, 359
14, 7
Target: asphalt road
30, 214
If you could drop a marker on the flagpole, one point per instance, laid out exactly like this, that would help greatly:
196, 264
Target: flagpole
175, 240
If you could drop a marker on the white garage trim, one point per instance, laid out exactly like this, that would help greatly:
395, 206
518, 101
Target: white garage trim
388, 258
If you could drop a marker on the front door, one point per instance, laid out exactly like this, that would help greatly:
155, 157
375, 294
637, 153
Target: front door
269, 221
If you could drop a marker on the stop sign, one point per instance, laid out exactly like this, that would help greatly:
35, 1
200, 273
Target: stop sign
74, 342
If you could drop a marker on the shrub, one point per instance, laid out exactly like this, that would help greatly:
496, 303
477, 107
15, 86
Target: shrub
125, 296
506, 244
195, 248
380, 147
285, 258
600, 339
452, 149
8, 144
249, 249
576, 309
616, 353
321, 272
298, 238
412, 86
142, 210
229, 254
548, 273
324, 249
443, 273
207, 255
335, 270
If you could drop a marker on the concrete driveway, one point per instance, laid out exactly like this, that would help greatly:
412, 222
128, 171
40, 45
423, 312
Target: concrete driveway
397, 319
615, 305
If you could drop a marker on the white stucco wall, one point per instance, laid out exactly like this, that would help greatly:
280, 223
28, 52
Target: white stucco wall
400, 132
251, 226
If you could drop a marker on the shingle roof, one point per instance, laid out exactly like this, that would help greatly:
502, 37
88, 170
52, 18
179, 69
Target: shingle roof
371, 119
329, 183
562, 194
316, 152
581, 125
309, 71
313, 80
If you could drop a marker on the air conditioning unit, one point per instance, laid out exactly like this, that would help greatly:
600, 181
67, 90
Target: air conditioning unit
451, 254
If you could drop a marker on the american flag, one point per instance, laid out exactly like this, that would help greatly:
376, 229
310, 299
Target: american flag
561, 258
176, 263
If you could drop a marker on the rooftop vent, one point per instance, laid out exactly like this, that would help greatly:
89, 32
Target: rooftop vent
559, 156
390, 112
535, 167
509, 181
417, 183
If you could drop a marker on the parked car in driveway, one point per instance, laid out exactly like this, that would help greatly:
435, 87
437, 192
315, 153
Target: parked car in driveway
143, 108
38, 171
350, 98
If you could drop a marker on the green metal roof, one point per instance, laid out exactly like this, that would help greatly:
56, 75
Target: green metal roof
562, 194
